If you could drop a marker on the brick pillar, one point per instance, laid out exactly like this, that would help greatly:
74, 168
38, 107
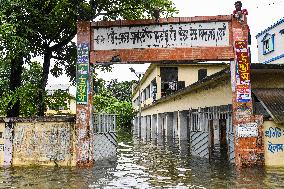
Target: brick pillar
248, 137
84, 96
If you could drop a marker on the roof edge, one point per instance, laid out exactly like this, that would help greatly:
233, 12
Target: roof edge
270, 27
218, 75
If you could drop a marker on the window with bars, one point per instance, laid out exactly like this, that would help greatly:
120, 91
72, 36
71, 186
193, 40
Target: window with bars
268, 43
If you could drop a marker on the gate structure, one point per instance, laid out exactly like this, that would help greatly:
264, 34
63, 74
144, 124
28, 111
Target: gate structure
187, 39
202, 130
104, 136
199, 133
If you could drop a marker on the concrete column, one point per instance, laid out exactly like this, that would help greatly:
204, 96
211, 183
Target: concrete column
139, 126
170, 143
182, 124
216, 131
160, 140
175, 124
148, 127
169, 124
143, 126
159, 124
153, 126
183, 148
135, 126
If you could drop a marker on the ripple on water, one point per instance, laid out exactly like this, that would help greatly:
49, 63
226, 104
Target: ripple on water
145, 165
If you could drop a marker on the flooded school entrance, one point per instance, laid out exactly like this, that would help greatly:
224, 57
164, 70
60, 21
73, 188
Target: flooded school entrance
151, 164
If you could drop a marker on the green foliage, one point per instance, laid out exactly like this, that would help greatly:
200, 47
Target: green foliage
105, 101
46, 28
40, 26
4, 75
125, 113
124, 135
58, 100
13, 39
26, 94
121, 90
131, 9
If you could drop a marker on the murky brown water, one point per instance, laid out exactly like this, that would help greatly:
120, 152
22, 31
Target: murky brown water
145, 165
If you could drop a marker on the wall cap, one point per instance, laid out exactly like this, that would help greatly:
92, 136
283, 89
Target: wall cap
38, 119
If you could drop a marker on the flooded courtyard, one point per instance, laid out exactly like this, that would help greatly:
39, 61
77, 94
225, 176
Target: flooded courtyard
139, 164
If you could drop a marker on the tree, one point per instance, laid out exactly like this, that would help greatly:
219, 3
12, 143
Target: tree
121, 90
14, 48
51, 25
106, 101
25, 94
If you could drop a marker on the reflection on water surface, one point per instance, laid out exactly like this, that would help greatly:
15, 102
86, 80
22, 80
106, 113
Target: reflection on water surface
155, 164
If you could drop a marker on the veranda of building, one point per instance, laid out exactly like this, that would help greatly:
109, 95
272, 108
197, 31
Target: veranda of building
193, 102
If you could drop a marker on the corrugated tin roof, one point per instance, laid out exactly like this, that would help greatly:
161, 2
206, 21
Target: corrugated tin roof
273, 101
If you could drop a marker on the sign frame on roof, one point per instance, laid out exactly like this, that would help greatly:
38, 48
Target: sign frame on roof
203, 38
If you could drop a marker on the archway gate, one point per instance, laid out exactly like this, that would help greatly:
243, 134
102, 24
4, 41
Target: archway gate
186, 39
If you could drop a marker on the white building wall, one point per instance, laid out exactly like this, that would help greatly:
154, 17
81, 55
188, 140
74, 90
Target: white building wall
276, 56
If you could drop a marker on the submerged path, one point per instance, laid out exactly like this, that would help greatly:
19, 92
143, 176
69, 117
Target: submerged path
140, 164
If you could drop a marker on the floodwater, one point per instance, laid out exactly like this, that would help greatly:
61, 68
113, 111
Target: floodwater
152, 164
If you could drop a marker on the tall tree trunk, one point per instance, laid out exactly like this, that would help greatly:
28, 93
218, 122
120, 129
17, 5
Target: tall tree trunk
43, 82
15, 82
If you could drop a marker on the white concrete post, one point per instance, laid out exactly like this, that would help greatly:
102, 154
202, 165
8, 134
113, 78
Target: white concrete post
216, 131
159, 124
175, 124
140, 126
182, 124
148, 127
153, 125
144, 127
169, 124
135, 126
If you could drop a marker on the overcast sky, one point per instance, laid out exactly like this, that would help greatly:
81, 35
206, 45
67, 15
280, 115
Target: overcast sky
261, 14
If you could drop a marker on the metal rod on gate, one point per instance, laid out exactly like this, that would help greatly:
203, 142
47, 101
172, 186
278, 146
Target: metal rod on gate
100, 123
114, 123
106, 124
103, 123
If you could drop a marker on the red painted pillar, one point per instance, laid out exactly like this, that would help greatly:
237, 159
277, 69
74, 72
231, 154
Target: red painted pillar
248, 127
84, 94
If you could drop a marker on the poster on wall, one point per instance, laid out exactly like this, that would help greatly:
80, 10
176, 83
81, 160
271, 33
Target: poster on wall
82, 84
82, 73
243, 88
247, 130
243, 93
